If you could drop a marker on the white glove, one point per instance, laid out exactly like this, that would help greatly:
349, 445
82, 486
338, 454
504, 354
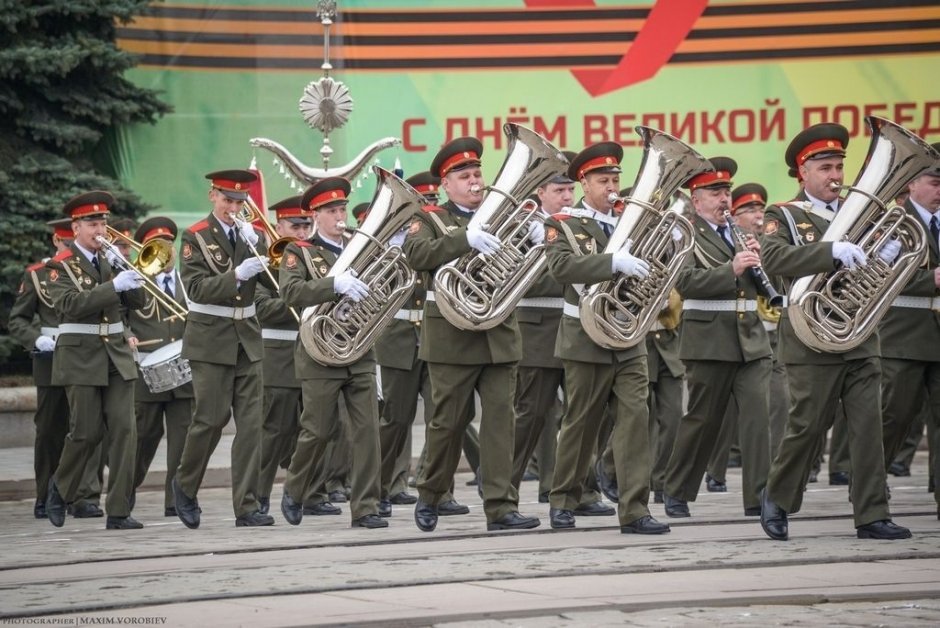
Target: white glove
483, 241
250, 267
248, 232
849, 253
112, 256
890, 251
399, 238
127, 280
347, 284
676, 234
625, 263
45, 344
536, 232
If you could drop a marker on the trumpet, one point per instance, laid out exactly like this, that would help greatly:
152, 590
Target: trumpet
152, 259
240, 222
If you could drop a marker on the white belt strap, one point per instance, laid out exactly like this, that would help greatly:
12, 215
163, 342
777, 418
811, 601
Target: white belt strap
572, 310
729, 305
279, 334
235, 313
769, 326
103, 329
920, 303
412, 316
552, 303
429, 296
52, 332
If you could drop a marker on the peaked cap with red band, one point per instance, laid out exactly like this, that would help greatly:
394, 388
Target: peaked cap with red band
156, 227
746, 194
603, 157
292, 210
724, 169
89, 205
457, 154
233, 183
62, 227
425, 183
329, 190
819, 141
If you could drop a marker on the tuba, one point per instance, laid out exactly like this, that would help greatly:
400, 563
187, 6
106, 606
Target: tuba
477, 292
838, 310
616, 314
341, 332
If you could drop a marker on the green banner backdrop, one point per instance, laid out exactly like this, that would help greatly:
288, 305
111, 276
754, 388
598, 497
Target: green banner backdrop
735, 78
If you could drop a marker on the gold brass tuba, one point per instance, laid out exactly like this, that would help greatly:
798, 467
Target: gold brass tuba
837, 311
616, 314
341, 332
478, 292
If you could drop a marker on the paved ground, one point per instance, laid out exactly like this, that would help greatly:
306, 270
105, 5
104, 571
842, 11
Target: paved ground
715, 568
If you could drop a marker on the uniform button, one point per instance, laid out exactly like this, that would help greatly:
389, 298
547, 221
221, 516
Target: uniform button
417, 301
418, 281
106, 339
417, 323
741, 315
106, 319
741, 293
238, 298
657, 336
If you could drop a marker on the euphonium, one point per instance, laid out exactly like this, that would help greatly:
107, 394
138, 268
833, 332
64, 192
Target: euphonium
341, 332
837, 311
476, 291
616, 314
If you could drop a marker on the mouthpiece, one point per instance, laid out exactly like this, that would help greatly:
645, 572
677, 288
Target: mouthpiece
612, 198
475, 189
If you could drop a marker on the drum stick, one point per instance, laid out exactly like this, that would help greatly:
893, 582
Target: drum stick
147, 343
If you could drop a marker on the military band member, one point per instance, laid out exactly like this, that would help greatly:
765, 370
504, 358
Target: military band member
910, 331
279, 331
462, 361
34, 323
596, 377
304, 283
724, 347
540, 372
94, 362
792, 247
222, 262
154, 327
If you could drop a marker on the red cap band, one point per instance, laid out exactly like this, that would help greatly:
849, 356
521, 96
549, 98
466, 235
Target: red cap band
329, 196
89, 210
230, 186
455, 160
428, 188
745, 199
707, 178
291, 212
64, 232
605, 161
822, 146
157, 233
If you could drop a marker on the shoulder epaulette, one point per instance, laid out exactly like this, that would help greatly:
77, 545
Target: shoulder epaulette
561, 216
433, 208
62, 255
302, 243
37, 265
199, 226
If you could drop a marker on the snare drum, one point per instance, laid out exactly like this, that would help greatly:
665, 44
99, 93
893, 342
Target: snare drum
164, 369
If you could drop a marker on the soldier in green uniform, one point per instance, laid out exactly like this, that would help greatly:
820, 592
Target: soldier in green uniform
154, 327
724, 347
222, 261
94, 362
792, 247
462, 361
910, 331
304, 283
540, 372
596, 378
282, 402
34, 323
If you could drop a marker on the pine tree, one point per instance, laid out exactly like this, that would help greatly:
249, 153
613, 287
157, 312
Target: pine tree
62, 96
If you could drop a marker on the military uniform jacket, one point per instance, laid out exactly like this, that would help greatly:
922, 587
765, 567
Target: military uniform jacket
707, 275
781, 255
32, 311
208, 272
82, 295
438, 235
914, 333
539, 325
573, 247
304, 283
275, 316
152, 322
397, 346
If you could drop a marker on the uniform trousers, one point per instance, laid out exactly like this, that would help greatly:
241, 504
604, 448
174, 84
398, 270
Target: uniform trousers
279, 431
221, 393
907, 387
151, 415
318, 423
400, 389
814, 393
452, 388
590, 388
665, 406
52, 424
711, 385
536, 394
95, 411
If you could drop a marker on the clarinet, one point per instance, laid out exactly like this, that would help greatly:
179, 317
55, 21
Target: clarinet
764, 287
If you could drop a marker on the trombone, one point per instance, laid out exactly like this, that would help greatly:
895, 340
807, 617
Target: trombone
152, 259
249, 214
